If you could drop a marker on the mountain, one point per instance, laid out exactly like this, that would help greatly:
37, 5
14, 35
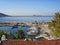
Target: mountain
43, 15
3, 15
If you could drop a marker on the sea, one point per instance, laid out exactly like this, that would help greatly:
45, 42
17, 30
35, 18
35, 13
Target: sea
22, 19
26, 19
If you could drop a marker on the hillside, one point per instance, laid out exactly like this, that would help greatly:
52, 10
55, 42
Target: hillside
3, 15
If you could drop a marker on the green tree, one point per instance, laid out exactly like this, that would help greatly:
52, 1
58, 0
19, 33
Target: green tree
9, 36
20, 34
54, 25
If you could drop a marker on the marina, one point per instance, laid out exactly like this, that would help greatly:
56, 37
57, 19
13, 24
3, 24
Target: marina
35, 28
38, 26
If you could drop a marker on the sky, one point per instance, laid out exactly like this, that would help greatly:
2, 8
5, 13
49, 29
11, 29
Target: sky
29, 7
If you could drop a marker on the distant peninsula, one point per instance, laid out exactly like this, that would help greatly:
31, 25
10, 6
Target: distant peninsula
43, 15
4, 15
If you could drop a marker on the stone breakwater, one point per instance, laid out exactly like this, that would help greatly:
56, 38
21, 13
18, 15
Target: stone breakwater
11, 24
22, 23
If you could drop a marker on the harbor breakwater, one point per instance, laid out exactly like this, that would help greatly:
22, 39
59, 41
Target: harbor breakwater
21, 24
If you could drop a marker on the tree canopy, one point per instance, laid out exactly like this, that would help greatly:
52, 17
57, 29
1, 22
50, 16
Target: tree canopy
54, 25
8, 35
20, 34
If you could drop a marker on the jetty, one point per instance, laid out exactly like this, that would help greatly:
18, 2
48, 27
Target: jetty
21, 23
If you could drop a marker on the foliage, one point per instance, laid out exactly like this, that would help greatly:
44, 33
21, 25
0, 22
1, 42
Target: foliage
27, 36
54, 25
9, 36
20, 34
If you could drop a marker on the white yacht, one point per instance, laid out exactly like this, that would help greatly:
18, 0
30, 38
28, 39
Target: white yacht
32, 30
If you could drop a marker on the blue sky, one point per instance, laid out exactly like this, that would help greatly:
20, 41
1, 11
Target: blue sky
29, 7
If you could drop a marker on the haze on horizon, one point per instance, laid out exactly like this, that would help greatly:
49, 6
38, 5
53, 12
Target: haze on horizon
29, 7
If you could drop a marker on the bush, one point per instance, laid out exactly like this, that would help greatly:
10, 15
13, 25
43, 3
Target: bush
20, 34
